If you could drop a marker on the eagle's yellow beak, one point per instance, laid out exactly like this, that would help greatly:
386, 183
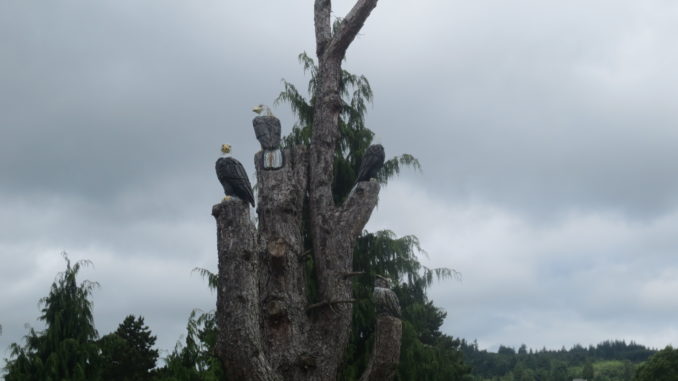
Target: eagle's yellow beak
225, 148
258, 109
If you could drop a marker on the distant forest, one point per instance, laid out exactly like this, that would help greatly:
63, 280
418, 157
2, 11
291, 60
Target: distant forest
607, 361
71, 349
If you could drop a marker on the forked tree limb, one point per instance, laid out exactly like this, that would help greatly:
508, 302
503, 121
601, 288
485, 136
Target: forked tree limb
323, 24
350, 26
333, 230
357, 209
265, 332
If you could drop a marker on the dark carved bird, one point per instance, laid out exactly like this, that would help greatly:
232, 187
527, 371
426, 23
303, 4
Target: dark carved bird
373, 160
233, 177
385, 299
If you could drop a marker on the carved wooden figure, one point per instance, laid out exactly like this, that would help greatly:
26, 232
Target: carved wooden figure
233, 177
373, 160
267, 131
268, 328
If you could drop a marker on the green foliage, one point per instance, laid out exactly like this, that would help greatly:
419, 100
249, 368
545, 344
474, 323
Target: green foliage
608, 361
662, 366
588, 372
427, 354
212, 278
440, 360
386, 254
196, 359
354, 139
559, 371
127, 354
66, 349
613, 370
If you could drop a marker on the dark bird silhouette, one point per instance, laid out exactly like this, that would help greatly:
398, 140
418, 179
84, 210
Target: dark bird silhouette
385, 300
233, 177
373, 160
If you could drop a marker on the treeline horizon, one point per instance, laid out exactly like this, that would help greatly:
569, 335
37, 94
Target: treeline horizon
503, 348
609, 360
70, 348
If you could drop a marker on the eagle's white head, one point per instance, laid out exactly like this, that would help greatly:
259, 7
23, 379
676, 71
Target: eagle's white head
263, 109
226, 148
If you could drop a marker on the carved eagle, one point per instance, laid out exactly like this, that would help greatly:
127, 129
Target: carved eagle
385, 300
233, 177
373, 160
262, 109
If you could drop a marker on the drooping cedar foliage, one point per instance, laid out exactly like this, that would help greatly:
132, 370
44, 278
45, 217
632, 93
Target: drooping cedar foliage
66, 349
426, 352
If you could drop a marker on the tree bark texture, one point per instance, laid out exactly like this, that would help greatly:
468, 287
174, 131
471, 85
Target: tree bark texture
268, 328
386, 351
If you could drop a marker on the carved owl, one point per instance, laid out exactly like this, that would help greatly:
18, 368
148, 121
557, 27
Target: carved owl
385, 300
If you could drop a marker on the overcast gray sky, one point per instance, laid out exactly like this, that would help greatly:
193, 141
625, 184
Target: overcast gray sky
547, 131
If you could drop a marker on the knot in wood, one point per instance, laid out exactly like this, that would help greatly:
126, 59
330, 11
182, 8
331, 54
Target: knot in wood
306, 361
278, 250
276, 310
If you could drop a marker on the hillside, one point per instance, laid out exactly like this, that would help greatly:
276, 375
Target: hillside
607, 361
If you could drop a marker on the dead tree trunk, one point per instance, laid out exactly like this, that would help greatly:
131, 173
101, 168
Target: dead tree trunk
268, 329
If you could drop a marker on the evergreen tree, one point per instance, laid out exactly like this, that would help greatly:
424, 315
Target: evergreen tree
607, 361
662, 366
355, 137
559, 371
66, 350
425, 352
195, 360
587, 372
127, 353
629, 371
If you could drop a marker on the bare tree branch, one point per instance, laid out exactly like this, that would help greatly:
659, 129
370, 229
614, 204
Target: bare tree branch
357, 209
350, 26
323, 26
329, 304
265, 329
347, 275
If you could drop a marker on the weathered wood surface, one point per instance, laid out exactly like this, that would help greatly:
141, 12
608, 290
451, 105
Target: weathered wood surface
268, 330
239, 343
386, 350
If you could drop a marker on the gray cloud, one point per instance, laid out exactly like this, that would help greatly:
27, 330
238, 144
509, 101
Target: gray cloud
541, 107
546, 131
582, 279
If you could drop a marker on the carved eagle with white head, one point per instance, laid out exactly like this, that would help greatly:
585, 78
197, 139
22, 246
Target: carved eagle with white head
263, 110
233, 178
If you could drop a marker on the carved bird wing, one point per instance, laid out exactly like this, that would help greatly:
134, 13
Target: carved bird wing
373, 160
386, 302
232, 176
